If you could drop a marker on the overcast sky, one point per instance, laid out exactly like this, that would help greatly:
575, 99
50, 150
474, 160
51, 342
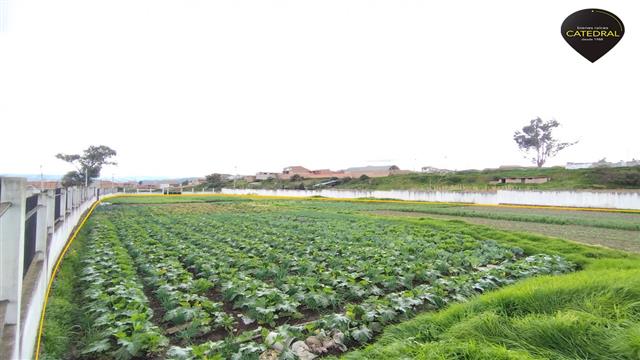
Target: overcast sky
183, 88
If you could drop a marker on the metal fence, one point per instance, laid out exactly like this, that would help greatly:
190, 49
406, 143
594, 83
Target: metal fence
30, 228
58, 205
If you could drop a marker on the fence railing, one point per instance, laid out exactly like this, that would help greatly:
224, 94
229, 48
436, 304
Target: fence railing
30, 228
34, 228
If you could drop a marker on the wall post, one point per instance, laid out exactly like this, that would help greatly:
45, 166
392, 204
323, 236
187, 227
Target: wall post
12, 192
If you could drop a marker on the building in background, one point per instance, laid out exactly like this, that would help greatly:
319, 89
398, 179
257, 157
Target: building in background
602, 163
374, 171
291, 171
44, 185
353, 172
263, 175
521, 180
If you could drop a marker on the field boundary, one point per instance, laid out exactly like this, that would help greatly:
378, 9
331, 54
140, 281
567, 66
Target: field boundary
84, 218
97, 202
397, 201
35, 225
185, 229
570, 199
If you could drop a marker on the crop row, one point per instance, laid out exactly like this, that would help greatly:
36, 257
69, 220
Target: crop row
361, 322
181, 296
114, 299
355, 274
238, 255
258, 300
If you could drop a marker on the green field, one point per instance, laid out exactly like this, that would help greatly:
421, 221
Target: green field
233, 277
561, 179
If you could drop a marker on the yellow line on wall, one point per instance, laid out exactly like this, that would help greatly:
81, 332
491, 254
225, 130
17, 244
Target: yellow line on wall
55, 271
285, 197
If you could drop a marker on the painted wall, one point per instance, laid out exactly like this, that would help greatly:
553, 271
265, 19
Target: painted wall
23, 312
588, 199
58, 241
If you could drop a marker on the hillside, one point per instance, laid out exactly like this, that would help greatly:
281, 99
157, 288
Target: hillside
561, 179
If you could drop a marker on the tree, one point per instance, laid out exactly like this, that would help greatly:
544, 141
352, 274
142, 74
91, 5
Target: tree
536, 140
216, 181
88, 165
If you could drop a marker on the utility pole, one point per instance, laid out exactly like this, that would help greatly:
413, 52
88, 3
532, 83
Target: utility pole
235, 176
41, 180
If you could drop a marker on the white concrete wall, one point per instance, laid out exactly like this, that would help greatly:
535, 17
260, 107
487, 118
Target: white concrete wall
433, 196
587, 199
32, 319
34, 308
61, 236
58, 242
12, 191
12, 255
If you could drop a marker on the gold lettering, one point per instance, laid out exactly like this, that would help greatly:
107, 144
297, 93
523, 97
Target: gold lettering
592, 33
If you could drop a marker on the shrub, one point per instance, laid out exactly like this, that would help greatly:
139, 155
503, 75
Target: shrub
623, 177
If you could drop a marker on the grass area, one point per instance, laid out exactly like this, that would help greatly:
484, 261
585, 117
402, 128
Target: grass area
63, 313
601, 219
607, 220
561, 178
478, 180
627, 240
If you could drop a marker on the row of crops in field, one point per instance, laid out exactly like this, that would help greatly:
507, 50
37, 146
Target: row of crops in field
261, 280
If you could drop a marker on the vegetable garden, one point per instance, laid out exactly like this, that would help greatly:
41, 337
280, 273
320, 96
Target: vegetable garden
266, 280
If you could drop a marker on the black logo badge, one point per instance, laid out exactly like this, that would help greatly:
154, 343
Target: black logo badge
592, 32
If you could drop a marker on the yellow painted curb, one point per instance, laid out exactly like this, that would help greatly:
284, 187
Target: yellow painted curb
55, 271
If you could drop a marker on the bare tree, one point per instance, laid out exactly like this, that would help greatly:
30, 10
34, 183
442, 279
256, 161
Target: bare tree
537, 142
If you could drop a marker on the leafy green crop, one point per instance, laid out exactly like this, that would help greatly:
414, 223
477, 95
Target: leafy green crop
249, 279
115, 300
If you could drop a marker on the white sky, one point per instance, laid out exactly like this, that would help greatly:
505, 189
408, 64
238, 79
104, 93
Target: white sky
184, 88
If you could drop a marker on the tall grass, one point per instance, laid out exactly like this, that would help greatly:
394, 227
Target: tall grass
585, 315
590, 314
64, 309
